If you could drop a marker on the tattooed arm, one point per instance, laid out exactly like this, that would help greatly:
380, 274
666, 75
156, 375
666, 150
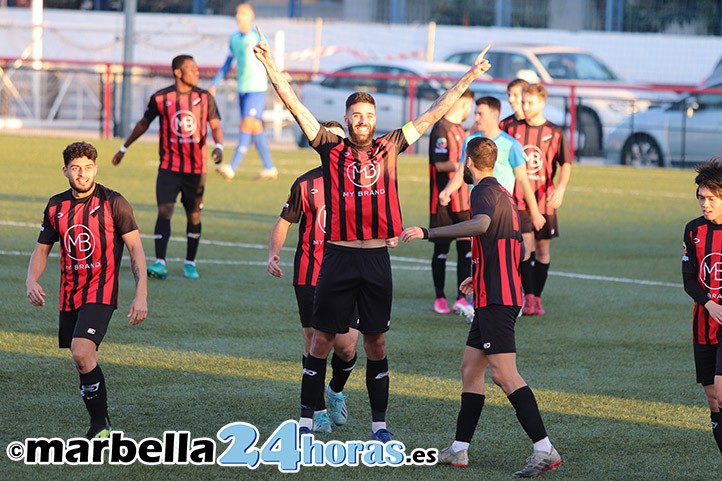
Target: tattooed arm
308, 123
139, 306
442, 105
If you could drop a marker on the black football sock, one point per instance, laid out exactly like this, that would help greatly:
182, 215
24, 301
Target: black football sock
527, 276
321, 403
161, 235
717, 429
527, 412
377, 384
95, 397
463, 263
341, 371
314, 374
541, 271
471, 406
438, 267
193, 232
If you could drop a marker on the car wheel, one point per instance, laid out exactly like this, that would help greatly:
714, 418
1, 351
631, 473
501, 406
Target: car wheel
642, 150
590, 129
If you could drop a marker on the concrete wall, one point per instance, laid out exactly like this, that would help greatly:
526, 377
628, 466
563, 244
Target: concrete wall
98, 36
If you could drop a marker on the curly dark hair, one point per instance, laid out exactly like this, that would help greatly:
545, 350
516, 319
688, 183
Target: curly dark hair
77, 150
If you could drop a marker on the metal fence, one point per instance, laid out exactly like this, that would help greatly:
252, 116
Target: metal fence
86, 97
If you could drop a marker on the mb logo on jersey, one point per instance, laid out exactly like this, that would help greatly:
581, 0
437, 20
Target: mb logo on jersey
184, 123
321, 218
534, 159
363, 175
79, 242
710, 271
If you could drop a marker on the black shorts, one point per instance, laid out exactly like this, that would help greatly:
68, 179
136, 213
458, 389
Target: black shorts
707, 362
492, 329
89, 322
191, 187
349, 278
445, 216
549, 231
304, 298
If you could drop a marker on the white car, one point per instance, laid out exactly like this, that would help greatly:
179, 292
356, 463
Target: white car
388, 81
684, 132
599, 108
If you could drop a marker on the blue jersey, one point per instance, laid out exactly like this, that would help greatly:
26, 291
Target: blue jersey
510, 156
249, 71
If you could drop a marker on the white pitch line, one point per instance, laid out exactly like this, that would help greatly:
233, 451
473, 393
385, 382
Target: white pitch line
423, 263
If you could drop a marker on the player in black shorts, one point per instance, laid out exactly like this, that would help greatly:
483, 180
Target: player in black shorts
362, 211
183, 112
306, 206
92, 224
496, 285
702, 278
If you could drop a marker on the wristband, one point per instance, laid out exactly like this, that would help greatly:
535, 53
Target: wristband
122, 149
410, 132
218, 146
425, 231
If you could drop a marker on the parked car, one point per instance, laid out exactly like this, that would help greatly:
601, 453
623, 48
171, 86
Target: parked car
326, 96
684, 132
599, 108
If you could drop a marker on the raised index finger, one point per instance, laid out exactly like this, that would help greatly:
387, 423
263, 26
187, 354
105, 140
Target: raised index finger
480, 57
260, 33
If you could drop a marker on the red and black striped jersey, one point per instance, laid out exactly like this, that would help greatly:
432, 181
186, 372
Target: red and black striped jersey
183, 121
90, 232
496, 255
506, 122
362, 200
702, 275
306, 206
445, 143
545, 148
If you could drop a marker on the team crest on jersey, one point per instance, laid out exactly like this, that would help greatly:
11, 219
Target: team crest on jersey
534, 159
79, 242
363, 175
442, 145
184, 123
710, 271
321, 218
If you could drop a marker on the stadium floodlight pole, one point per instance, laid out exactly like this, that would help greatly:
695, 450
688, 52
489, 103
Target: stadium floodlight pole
129, 9
37, 15
431, 41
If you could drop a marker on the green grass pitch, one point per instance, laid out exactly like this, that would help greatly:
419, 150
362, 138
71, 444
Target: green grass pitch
611, 362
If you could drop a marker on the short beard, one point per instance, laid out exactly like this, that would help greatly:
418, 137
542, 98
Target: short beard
468, 176
77, 189
366, 142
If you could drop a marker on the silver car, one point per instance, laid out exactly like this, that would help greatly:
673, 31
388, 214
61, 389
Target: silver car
388, 81
600, 108
686, 131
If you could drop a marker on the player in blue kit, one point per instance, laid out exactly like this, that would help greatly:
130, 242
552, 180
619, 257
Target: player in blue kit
252, 86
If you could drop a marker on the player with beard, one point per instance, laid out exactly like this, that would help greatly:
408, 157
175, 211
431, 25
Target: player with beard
496, 285
184, 110
362, 211
92, 224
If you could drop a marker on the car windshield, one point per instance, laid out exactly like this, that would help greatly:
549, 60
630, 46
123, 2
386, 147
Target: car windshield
575, 66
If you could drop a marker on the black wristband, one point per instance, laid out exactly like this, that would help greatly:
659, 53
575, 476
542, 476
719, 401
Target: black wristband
425, 231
